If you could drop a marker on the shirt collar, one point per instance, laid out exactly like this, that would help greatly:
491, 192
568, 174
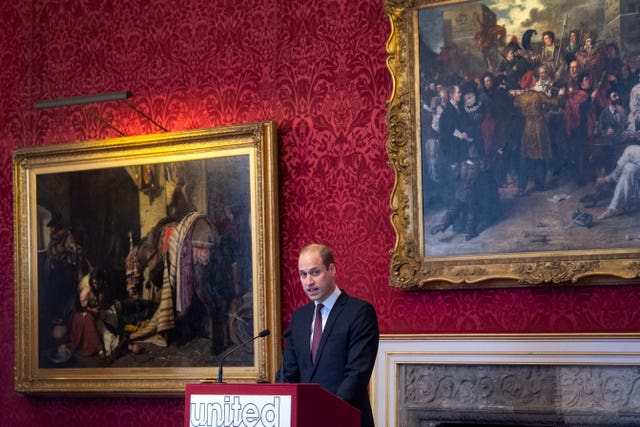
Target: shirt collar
331, 299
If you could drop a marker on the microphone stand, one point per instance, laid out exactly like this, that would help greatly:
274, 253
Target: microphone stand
280, 373
262, 334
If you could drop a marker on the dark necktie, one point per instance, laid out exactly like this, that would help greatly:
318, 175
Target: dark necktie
317, 332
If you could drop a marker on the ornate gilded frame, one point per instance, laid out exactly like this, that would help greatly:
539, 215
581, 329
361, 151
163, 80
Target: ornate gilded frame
410, 268
253, 147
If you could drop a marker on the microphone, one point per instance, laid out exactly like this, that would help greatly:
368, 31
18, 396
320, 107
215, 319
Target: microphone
262, 334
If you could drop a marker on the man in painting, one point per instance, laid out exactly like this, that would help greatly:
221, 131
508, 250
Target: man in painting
626, 176
454, 141
464, 210
634, 109
535, 145
592, 59
514, 65
569, 79
571, 49
64, 267
550, 55
580, 123
613, 119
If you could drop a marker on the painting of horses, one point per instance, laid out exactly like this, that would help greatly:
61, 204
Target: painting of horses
148, 260
509, 169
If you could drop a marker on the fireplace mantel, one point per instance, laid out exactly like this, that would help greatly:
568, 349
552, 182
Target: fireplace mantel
473, 365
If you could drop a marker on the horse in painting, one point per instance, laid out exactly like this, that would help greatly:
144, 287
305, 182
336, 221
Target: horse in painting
175, 267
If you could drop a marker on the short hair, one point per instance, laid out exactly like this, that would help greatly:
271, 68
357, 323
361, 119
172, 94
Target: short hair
325, 253
582, 76
542, 67
551, 35
614, 46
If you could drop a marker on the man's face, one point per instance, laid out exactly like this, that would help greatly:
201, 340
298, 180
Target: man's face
444, 95
614, 98
488, 82
318, 281
455, 95
587, 43
572, 37
573, 69
547, 40
585, 83
542, 74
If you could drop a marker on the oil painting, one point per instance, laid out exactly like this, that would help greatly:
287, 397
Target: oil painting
514, 132
143, 261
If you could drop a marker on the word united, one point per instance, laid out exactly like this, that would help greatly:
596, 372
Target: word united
218, 410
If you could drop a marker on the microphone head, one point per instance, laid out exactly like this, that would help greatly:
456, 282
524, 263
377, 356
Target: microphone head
264, 333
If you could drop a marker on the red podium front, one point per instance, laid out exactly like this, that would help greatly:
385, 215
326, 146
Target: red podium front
266, 405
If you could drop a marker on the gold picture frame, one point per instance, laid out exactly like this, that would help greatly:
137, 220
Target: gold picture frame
527, 256
225, 181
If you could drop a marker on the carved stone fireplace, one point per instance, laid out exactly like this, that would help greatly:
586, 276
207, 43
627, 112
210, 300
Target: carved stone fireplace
514, 380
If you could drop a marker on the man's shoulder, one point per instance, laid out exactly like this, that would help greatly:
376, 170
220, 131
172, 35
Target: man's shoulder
303, 308
354, 302
448, 112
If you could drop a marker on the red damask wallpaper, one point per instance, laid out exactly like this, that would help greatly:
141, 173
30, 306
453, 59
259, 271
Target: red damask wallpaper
318, 69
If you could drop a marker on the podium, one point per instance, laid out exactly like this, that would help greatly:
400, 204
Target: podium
265, 405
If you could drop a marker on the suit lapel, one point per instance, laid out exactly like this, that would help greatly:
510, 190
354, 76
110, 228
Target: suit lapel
331, 321
308, 316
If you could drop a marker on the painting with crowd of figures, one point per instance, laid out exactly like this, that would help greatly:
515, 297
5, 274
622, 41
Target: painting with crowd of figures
144, 262
514, 132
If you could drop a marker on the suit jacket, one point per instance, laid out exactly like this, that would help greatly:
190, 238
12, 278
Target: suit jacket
617, 122
346, 354
452, 148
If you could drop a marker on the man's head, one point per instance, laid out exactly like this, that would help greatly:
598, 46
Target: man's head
543, 73
455, 94
612, 50
584, 81
510, 53
443, 93
614, 98
317, 271
573, 36
487, 80
548, 37
574, 69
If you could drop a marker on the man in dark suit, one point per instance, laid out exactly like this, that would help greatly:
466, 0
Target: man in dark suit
613, 119
454, 143
342, 356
